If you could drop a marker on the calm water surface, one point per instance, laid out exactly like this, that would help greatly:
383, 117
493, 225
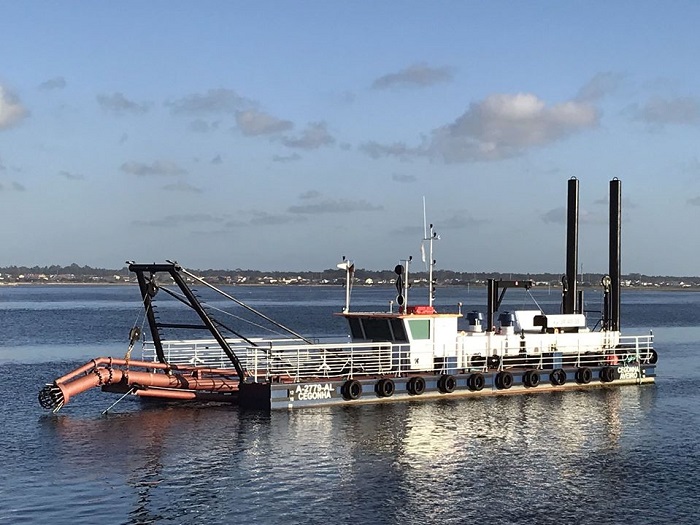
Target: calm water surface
622, 455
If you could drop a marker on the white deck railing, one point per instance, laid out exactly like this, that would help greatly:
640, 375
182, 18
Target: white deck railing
202, 352
293, 360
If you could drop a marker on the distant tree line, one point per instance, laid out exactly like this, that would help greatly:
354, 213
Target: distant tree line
77, 273
54, 269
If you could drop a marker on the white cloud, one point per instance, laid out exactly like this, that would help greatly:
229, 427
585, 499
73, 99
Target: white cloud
558, 216
400, 177
314, 136
310, 194
661, 111
601, 85
252, 122
261, 218
417, 75
117, 103
397, 149
334, 206
497, 127
70, 175
11, 109
181, 186
286, 158
202, 126
503, 125
158, 167
460, 221
13, 186
53, 83
555, 216
172, 221
214, 101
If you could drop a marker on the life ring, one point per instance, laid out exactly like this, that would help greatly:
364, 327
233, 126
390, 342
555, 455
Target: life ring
476, 382
504, 380
351, 390
531, 378
584, 375
557, 377
385, 387
612, 359
447, 384
416, 386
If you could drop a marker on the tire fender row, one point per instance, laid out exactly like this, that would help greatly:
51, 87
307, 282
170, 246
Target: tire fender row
385, 387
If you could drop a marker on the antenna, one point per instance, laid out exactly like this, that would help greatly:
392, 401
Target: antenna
431, 282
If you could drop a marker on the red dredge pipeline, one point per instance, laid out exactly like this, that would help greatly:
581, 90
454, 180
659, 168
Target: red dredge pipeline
159, 380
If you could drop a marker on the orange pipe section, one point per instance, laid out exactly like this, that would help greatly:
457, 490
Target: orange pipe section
94, 374
167, 394
111, 361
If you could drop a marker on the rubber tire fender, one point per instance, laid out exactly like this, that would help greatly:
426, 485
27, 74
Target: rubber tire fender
504, 380
351, 390
447, 383
385, 387
557, 377
476, 382
607, 374
531, 378
584, 375
416, 386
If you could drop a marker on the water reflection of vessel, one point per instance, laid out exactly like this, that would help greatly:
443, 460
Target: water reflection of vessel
414, 352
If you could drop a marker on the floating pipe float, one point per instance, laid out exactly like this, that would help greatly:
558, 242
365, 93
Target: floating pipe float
117, 375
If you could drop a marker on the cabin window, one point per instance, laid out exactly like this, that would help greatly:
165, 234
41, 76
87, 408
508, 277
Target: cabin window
420, 328
377, 329
398, 329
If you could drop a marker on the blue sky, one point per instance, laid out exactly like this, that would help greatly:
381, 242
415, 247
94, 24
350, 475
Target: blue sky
284, 135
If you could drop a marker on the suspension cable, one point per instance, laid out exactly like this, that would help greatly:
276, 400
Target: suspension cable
534, 300
249, 308
182, 299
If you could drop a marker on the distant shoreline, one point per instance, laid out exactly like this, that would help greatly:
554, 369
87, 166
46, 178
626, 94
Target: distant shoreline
361, 285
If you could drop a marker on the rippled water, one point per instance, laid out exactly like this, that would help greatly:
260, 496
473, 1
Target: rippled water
617, 455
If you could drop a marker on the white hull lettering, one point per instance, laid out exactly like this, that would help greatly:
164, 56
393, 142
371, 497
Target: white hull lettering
311, 392
628, 372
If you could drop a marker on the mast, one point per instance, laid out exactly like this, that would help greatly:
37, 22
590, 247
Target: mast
431, 283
